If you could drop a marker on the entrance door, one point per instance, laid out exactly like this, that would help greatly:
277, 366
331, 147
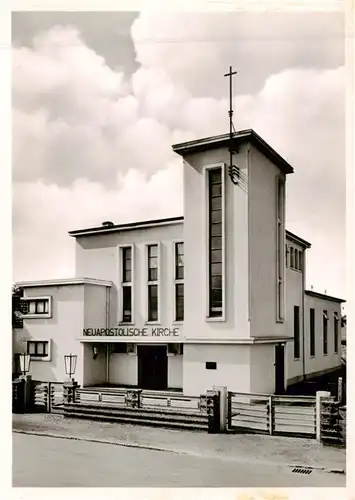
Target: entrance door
152, 367
279, 369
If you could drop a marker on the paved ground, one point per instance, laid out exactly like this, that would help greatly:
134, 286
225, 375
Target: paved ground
40, 461
244, 448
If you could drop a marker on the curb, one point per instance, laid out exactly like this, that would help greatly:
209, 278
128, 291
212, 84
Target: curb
159, 448
102, 441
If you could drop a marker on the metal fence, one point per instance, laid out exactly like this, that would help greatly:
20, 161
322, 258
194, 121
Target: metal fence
333, 422
47, 397
141, 399
268, 414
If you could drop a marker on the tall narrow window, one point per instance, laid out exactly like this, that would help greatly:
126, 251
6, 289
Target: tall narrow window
153, 291
296, 330
325, 332
336, 333
301, 260
312, 346
215, 207
292, 257
179, 282
280, 246
126, 284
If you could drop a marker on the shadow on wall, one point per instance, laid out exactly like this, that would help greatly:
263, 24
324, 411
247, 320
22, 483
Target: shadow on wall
326, 382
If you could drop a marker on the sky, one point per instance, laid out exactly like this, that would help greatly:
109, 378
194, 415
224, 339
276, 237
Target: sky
99, 98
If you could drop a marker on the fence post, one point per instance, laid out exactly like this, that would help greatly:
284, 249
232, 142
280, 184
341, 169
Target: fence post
69, 389
320, 395
229, 410
340, 389
223, 407
49, 407
213, 412
271, 415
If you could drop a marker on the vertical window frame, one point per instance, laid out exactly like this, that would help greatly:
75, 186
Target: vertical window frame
206, 171
153, 282
312, 332
325, 332
177, 280
125, 284
280, 249
296, 329
336, 332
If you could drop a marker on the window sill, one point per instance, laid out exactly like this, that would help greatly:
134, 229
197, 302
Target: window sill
39, 358
36, 316
178, 322
156, 323
312, 356
296, 359
278, 320
215, 319
126, 323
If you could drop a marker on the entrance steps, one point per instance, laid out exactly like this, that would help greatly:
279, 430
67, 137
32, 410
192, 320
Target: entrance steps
142, 416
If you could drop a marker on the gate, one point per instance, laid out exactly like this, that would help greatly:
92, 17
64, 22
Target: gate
47, 397
274, 415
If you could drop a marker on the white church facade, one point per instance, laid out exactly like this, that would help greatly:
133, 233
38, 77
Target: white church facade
216, 297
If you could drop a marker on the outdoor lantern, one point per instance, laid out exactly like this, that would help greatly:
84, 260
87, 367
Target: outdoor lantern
25, 361
95, 351
70, 364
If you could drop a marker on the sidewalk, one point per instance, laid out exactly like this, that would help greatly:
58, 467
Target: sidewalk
251, 448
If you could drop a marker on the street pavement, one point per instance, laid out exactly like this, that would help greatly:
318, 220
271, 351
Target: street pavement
41, 461
244, 448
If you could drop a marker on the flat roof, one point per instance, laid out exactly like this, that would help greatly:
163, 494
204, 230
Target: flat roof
125, 227
220, 141
65, 281
297, 239
317, 295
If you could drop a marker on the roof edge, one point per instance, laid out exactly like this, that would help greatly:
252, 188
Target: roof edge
297, 239
318, 295
242, 135
63, 282
126, 227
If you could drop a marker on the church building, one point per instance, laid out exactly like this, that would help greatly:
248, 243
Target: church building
214, 298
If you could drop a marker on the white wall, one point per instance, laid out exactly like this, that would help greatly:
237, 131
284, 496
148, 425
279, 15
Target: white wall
294, 297
98, 256
232, 370
175, 371
95, 306
94, 370
321, 362
123, 369
62, 329
263, 245
196, 263
262, 368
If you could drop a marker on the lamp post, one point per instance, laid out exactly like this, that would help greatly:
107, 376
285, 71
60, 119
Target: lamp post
25, 361
70, 385
70, 364
25, 398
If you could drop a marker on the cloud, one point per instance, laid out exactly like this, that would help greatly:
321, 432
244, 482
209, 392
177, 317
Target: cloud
196, 50
44, 213
90, 146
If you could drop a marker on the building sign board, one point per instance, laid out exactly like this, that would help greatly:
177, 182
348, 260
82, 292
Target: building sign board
131, 332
